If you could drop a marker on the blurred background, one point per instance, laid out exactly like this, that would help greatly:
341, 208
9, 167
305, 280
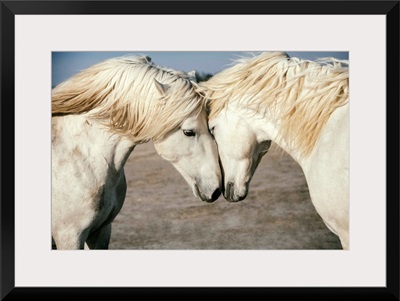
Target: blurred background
206, 63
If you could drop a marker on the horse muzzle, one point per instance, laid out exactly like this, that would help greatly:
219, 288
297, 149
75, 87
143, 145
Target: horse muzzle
209, 199
230, 194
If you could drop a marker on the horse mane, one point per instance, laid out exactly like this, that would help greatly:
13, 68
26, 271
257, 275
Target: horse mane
300, 94
122, 93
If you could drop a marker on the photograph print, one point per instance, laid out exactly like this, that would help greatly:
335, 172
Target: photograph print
202, 150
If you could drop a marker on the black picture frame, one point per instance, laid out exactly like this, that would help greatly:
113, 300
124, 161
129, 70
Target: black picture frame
11, 8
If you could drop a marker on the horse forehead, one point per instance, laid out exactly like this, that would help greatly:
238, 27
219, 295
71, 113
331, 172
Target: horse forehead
226, 117
194, 121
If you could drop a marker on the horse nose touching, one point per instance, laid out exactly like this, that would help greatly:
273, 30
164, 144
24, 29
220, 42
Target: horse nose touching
231, 196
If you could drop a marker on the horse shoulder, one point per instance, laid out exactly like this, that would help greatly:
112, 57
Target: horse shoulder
327, 172
87, 189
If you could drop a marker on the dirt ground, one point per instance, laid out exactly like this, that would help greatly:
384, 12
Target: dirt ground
161, 212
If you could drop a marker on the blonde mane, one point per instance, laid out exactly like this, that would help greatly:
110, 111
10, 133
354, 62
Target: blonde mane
300, 94
122, 94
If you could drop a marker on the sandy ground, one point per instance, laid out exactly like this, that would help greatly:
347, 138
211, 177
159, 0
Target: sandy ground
160, 211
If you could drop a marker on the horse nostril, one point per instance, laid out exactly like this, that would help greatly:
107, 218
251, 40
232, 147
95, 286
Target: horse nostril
229, 191
216, 194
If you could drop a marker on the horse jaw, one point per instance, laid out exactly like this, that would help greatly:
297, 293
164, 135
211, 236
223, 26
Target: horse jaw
207, 188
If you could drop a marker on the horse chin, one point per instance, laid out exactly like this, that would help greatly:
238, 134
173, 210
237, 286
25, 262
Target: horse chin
235, 198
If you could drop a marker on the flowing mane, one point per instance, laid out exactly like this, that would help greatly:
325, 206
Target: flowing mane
300, 94
122, 94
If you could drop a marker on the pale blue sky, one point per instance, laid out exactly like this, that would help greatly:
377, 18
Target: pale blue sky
66, 64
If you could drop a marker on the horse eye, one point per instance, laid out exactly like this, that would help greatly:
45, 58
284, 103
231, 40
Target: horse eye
189, 133
212, 131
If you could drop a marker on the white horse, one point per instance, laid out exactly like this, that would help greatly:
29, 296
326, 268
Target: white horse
300, 105
98, 117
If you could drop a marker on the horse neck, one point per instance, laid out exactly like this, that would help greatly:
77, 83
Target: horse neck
91, 140
332, 145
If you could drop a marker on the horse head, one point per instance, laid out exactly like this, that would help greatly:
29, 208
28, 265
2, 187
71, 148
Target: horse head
192, 150
240, 149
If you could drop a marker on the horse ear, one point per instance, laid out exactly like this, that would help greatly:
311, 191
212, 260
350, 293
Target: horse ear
192, 74
162, 88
